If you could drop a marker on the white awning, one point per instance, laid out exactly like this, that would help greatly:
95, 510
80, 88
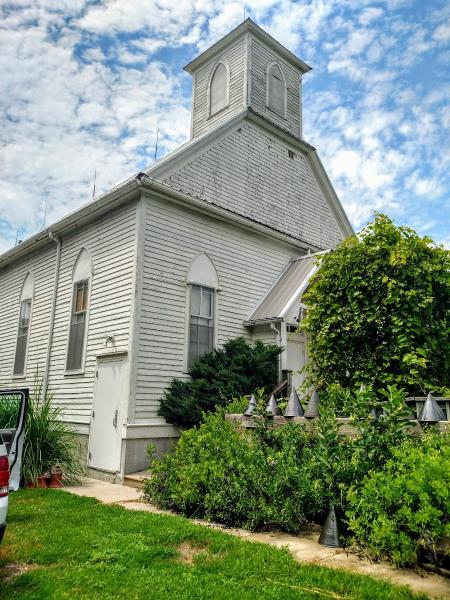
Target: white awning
285, 294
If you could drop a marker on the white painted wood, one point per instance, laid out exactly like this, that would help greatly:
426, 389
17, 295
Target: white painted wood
296, 358
109, 408
110, 241
203, 272
252, 173
262, 58
246, 264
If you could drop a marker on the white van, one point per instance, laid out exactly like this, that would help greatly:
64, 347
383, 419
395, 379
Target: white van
13, 409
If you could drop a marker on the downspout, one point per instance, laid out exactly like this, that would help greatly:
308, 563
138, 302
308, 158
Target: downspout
52, 315
278, 332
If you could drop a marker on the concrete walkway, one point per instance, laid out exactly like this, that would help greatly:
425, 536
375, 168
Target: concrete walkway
303, 549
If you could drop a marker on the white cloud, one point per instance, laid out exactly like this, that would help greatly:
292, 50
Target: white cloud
442, 33
82, 90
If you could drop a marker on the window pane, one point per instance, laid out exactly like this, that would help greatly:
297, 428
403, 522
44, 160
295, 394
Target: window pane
21, 350
77, 330
81, 296
207, 303
22, 337
218, 89
201, 324
76, 342
195, 299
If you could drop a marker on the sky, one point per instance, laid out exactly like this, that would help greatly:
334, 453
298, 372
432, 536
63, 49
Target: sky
85, 85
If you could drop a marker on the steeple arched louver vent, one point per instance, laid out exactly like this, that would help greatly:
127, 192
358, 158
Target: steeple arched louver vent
218, 89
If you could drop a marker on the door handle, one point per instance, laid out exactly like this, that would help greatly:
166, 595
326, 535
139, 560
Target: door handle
116, 414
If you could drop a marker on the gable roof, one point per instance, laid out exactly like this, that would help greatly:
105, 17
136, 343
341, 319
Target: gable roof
248, 26
195, 147
286, 290
130, 190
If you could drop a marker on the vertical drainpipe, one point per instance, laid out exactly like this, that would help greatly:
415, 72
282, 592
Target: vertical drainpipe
279, 336
52, 314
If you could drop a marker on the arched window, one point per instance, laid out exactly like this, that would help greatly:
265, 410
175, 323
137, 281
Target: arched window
203, 284
276, 90
81, 279
26, 301
218, 89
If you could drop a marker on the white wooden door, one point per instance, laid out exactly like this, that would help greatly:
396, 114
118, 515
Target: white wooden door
110, 401
296, 358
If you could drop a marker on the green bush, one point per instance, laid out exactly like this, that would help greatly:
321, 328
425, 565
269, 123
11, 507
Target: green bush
379, 311
403, 509
249, 478
236, 369
281, 476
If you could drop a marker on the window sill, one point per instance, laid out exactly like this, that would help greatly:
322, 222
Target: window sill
19, 377
73, 373
218, 112
276, 113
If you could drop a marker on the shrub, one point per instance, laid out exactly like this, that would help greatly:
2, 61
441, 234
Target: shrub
283, 476
404, 508
379, 310
215, 471
48, 441
236, 369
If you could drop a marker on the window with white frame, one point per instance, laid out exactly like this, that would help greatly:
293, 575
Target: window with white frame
81, 278
276, 90
22, 336
78, 322
23, 328
201, 323
218, 89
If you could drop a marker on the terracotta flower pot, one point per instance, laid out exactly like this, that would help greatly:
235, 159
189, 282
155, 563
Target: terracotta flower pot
30, 485
41, 481
55, 480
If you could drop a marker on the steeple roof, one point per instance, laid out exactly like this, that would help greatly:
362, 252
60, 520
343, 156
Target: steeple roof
248, 26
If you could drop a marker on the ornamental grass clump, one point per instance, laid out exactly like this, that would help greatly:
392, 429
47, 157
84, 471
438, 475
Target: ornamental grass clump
49, 442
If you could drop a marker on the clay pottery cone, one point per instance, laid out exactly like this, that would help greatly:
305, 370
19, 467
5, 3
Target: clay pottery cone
331, 534
272, 409
294, 407
251, 407
312, 410
431, 411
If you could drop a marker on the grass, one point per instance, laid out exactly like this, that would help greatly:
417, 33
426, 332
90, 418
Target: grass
64, 546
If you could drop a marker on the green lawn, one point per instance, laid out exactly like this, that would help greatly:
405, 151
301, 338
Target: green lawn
78, 548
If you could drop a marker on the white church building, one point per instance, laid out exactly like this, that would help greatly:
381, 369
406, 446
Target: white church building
216, 240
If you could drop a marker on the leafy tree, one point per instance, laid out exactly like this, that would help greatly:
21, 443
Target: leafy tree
379, 311
236, 369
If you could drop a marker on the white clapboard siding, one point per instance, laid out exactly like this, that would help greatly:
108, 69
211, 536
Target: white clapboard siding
261, 56
247, 265
41, 266
110, 241
252, 174
235, 57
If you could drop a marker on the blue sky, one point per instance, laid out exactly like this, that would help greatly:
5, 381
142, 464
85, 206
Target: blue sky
85, 85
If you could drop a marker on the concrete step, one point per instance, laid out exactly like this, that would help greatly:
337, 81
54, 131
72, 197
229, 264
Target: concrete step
135, 480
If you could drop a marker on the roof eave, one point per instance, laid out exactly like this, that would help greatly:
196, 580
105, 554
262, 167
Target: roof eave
72, 221
247, 26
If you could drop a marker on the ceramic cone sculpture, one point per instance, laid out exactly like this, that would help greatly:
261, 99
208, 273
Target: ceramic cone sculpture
313, 406
251, 407
431, 412
331, 534
272, 409
294, 407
